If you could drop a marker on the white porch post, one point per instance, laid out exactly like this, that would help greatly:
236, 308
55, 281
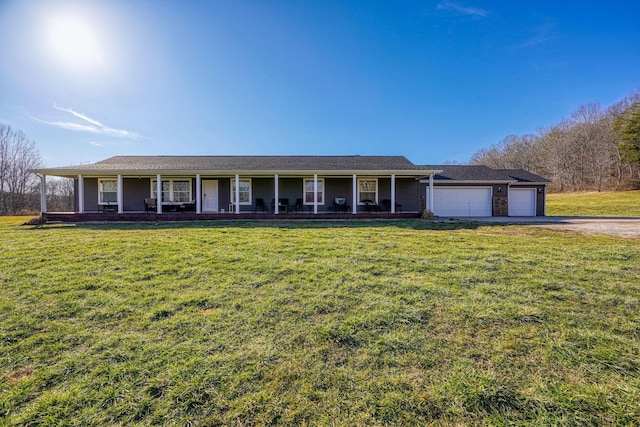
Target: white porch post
431, 193
198, 194
393, 194
43, 194
80, 194
315, 194
355, 194
276, 200
237, 192
120, 196
158, 194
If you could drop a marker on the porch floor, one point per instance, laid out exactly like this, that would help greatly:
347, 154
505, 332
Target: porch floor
192, 216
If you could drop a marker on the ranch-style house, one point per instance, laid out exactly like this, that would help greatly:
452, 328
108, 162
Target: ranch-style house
216, 187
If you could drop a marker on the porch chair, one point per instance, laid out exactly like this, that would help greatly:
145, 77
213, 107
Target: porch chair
340, 204
260, 206
189, 207
370, 205
150, 205
299, 206
386, 205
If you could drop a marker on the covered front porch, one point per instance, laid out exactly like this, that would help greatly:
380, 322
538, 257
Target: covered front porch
241, 196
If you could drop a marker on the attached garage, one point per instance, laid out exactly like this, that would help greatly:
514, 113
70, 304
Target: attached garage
522, 201
461, 201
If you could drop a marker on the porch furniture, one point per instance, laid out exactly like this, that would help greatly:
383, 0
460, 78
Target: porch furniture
188, 207
108, 207
170, 207
370, 206
260, 206
386, 205
283, 205
340, 204
150, 205
299, 206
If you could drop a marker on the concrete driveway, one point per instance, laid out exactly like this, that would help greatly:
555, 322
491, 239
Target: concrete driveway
613, 226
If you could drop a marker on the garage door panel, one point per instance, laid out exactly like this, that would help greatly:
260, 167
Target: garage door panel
462, 201
522, 202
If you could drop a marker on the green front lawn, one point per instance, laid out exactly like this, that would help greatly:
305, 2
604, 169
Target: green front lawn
612, 203
327, 323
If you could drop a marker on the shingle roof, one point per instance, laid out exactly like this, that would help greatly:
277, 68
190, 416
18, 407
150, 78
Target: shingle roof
468, 173
523, 176
241, 163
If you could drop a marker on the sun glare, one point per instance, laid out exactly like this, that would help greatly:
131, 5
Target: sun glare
74, 42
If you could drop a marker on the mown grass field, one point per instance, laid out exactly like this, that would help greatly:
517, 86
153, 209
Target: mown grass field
345, 324
613, 203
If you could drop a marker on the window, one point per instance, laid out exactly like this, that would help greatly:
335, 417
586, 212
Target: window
245, 191
308, 191
107, 191
173, 190
182, 191
367, 190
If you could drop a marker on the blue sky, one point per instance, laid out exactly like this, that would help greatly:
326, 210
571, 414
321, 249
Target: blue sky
431, 80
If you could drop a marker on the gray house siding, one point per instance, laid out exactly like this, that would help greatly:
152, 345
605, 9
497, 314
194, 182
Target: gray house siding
224, 193
76, 201
541, 209
134, 191
91, 194
288, 188
338, 188
408, 194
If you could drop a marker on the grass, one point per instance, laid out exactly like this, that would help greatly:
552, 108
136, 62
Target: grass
613, 203
328, 323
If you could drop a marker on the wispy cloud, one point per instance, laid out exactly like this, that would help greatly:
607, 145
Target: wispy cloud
541, 34
78, 115
97, 144
91, 125
465, 10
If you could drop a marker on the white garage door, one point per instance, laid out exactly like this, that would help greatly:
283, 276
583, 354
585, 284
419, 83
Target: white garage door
522, 202
461, 201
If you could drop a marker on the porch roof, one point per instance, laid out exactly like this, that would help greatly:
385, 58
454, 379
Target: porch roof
255, 165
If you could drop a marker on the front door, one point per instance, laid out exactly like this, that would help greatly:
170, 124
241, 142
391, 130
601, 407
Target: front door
210, 195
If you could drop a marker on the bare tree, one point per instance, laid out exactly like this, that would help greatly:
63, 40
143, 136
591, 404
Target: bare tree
60, 194
17, 185
585, 152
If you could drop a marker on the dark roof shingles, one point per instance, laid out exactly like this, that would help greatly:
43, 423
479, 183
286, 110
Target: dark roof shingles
523, 176
248, 163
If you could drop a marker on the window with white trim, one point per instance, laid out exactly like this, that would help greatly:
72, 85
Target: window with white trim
367, 190
107, 191
244, 192
308, 191
173, 190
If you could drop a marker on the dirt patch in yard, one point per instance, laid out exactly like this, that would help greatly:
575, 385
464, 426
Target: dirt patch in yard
629, 229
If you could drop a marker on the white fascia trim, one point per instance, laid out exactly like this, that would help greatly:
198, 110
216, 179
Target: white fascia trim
436, 182
521, 184
153, 172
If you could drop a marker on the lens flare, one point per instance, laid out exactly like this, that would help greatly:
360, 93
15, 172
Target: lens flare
73, 41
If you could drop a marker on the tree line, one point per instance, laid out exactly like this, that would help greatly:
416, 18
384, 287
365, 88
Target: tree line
19, 188
595, 149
